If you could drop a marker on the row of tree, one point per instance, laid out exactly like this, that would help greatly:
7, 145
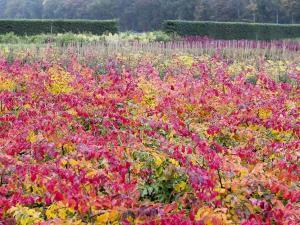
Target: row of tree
142, 15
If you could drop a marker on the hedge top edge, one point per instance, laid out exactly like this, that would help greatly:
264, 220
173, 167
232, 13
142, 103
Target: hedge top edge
36, 26
229, 23
232, 30
55, 20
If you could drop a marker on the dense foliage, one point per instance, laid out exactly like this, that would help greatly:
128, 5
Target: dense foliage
149, 14
33, 27
144, 139
233, 31
65, 38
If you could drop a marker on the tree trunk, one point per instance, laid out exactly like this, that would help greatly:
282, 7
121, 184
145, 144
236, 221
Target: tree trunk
238, 10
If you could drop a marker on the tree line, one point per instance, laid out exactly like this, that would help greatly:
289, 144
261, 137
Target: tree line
144, 15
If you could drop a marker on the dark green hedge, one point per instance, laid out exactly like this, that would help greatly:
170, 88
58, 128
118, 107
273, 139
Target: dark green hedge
33, 27
231, 30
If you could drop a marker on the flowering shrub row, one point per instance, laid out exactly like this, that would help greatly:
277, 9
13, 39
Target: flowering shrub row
200, 142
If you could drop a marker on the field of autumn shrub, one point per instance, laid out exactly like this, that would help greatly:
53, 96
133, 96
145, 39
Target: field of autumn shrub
140, 140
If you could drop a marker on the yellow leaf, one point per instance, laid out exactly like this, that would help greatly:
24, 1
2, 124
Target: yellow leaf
174, 162
273, 156
72, 112
103, 219
27, 106
114, 215
63, 162
243, 172
180, 186
158, 159
202, 213
264, 113
108, 217
220, 190
32, 137
69, 147
51, 211
73, 162
62, 213
7, 85
91, 173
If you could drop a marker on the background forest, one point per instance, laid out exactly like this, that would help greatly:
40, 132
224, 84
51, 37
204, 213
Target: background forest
145, 15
